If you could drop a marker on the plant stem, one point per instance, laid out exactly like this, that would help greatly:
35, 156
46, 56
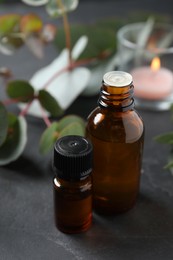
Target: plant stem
25, 110
66, 28
58, 73
45, 117
10, 101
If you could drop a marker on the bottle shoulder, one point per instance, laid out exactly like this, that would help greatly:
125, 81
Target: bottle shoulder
72, 187
102, 115
118, 126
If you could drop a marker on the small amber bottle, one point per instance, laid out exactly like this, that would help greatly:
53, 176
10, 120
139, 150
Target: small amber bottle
73, 184
117, 133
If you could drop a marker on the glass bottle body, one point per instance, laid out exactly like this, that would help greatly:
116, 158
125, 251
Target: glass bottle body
73, 205
117, 134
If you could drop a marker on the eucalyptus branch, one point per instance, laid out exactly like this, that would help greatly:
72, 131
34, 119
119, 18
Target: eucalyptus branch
57, 74
10, 101
20, 90
66, 28
25, 110
45, 117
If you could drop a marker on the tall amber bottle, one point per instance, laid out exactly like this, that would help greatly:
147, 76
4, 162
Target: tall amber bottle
117, 133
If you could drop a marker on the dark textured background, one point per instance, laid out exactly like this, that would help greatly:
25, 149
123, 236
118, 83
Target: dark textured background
27, 228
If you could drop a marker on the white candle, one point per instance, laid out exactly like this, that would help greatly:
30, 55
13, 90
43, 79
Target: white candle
152, 83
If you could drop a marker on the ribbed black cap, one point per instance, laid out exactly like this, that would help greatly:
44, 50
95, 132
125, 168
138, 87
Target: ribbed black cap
72, 157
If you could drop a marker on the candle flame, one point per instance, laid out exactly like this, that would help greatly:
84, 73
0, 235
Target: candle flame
155, 64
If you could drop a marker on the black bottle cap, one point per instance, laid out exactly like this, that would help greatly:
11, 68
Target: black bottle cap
72, 157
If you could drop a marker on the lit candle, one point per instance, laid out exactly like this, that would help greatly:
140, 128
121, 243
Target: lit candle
154, 83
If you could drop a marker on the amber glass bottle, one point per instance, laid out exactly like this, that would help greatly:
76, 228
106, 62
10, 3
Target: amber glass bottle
73, 184
117, 133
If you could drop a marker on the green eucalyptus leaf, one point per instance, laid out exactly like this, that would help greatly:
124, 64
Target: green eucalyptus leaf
15, 141
73, 129
68, 120
13, 40
112, 23
56, 8
48, 138
101, 41
165, 138
9, 38
9, 23
31, 23
10, 43
69, 125
3, 123
21, 90
169, 165
49, 103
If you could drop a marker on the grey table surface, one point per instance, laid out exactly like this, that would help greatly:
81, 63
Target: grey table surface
27, 229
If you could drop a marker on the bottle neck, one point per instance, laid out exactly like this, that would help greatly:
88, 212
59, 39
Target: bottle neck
118, 98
